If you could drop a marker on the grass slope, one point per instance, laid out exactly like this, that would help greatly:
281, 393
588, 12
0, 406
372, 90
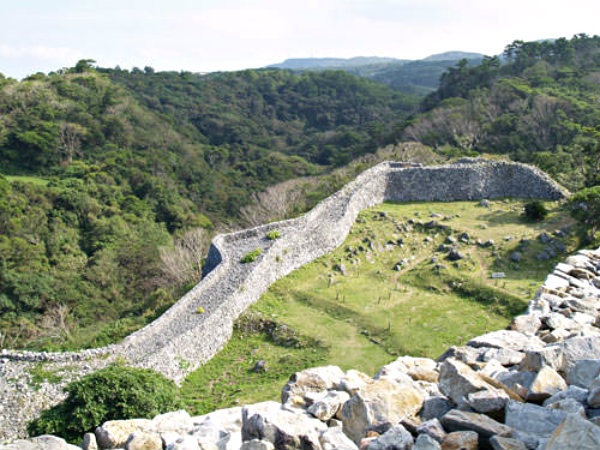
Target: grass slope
389, 290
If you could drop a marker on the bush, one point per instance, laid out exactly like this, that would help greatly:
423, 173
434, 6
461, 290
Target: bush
273, 234
113, 393
252, 256
535, 210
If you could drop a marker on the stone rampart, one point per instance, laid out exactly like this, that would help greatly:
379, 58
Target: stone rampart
201, 322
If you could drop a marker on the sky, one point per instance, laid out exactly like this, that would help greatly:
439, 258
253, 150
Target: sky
222, 35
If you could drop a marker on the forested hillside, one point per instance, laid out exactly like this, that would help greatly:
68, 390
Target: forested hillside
109, 174
113, 179
540, 105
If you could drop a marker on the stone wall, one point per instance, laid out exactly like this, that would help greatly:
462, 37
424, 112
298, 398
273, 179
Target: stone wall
201, 322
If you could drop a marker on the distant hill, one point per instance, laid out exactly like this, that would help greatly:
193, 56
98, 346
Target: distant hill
332, 63
455, 55
409, 76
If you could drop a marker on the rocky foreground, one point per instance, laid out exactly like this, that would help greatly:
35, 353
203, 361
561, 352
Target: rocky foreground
533, 386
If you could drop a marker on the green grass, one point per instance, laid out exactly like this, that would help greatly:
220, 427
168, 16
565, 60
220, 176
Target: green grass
27, 179
379, 310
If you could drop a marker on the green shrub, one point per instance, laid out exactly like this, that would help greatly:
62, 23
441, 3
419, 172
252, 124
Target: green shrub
535, 210
112, 393
251, 256
273, 234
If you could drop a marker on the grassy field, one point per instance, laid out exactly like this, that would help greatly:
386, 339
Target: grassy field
390, 290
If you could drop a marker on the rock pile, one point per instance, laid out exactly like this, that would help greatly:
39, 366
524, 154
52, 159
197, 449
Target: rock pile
533, 386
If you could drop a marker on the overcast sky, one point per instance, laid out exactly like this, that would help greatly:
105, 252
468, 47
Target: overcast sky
212, 35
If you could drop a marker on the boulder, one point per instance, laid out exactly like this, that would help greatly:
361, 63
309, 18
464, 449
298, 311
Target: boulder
379, 405
527, 324
488, 401
457, 381
503, 443
508, 339
45, 442
532, 420
314, 379
578, 348
584, 372
484, 426
435, 406
461, 440
177, 422
115, 433
353, 381
221, 428
551, 355
575, 429
593, 398
425, 442
335, 439
573, 392
284, 429
546, 383
396, 438
432, 428
140, 440
504, 356
328, 407
173, 441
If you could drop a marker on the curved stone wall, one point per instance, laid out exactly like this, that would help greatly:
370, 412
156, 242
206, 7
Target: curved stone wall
183, 337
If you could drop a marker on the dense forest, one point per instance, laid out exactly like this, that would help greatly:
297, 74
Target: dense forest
110, 174
539, 103
113, 180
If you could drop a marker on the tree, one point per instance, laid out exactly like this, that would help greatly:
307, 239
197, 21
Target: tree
585, 208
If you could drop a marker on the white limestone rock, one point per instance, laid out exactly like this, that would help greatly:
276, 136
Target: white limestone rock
382, 402
425, 442
508, 339
575, 432
45, 442
396, 438
353, 381
532, 420
115, 433
488, 401
221, 428
432, 428
584, 372
546, 383
484, 426
457, 381
504, 443
329, 405
574, 392
143, 440
176, 421
314, 379
283, 428
335, 439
